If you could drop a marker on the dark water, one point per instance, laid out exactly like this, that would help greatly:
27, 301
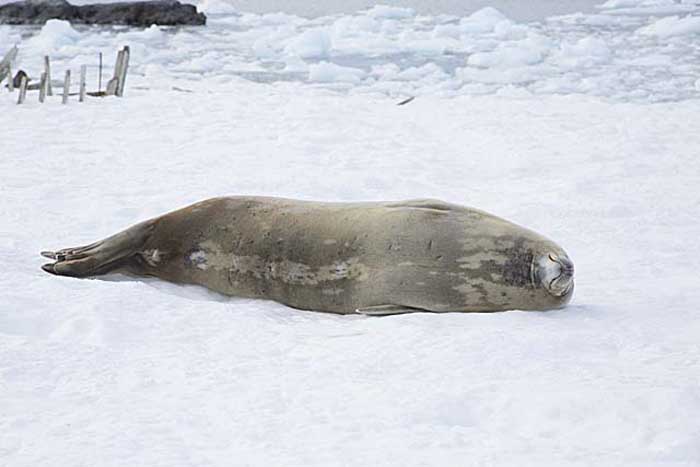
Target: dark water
519, 10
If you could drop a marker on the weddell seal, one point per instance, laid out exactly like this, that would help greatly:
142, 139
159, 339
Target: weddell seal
371, 258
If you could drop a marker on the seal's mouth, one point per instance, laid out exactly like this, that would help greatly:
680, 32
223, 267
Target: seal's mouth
555, 273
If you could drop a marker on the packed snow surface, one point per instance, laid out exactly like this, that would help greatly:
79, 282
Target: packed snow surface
582, 127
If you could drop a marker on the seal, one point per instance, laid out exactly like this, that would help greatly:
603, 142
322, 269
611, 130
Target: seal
371, 258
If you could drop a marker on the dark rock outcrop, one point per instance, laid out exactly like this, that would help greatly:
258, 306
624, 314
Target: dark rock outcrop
144, 14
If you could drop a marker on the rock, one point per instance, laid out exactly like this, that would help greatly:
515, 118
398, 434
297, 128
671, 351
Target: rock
144, 14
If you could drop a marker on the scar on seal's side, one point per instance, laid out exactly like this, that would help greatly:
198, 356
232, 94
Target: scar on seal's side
372, 258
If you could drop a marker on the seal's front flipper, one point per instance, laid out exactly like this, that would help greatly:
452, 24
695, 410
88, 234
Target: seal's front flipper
386, 310
99, 257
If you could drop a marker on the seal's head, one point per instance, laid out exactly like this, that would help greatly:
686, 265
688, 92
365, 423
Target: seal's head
553, 271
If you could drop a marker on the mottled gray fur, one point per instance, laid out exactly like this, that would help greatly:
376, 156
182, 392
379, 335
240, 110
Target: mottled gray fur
338, 257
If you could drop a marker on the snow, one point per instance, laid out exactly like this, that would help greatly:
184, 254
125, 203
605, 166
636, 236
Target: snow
578, 126
673, 26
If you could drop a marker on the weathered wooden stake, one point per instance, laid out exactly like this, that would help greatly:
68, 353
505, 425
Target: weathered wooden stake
22, 89
124, 66
66, 87
43, 87
47, 70
111, 87
99, 79
113, 84
6, 62
83, 72
10, 79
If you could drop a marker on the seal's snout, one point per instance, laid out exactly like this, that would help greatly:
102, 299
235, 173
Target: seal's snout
555, 272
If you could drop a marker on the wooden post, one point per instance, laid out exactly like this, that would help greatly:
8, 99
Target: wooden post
111, 87
83, 72
66, 87
113, 84
99, 79
42, 87
6, 62
47, 70
10, 79
124, 66
22, 89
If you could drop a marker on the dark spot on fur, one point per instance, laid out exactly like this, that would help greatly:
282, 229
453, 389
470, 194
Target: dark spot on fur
516, 270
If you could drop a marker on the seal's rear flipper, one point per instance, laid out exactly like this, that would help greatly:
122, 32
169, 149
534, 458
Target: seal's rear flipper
386, 310
99, 257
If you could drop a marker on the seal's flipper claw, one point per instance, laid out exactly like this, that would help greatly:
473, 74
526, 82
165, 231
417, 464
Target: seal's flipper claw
386, 310
100, 257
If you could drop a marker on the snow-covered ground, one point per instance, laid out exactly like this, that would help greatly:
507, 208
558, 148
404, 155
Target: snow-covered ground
598, 149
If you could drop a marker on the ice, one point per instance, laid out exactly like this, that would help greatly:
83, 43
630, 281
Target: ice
648, 7
325, 72
390, 12
611, 4
216, 7
150, 34
597, 54
512, 54
586, 52
673, 26
312, 43
54, 35
8, 36
482, 21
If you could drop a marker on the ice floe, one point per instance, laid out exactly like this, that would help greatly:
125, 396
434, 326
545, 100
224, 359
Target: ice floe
625, 50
